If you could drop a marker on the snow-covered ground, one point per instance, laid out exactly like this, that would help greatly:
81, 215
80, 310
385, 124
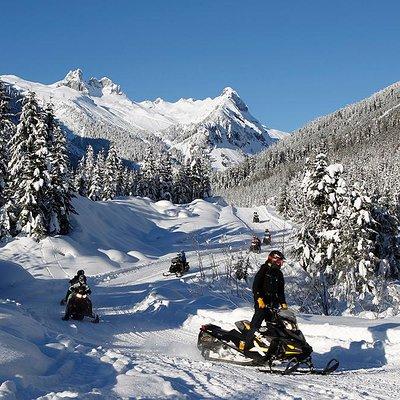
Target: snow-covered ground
145, 344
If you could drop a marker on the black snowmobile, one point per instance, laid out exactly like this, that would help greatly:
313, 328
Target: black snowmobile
178, 267
279, 342
256, 218
79, 305
255, 246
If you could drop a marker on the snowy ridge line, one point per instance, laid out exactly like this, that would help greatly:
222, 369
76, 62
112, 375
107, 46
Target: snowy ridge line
98, 109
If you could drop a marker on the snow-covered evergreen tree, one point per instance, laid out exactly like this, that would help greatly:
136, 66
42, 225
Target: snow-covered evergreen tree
29, 170
200, 177
110, 174
60, 193
96, 183
120, 185
165, 177
319, 238
6, 131
79, 181
387, 238
148, 185
356, 262
183, 185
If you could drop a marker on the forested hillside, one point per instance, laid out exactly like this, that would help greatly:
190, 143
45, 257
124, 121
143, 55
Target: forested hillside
364, 137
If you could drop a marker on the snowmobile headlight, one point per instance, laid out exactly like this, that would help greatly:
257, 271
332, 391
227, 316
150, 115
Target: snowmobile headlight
289, 325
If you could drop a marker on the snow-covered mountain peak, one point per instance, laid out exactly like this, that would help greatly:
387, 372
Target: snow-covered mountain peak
228, 92
230, 95
74, 80
158, 100
93, 87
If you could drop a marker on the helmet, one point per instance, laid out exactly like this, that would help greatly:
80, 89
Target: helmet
276, 257
277, 254
80, 272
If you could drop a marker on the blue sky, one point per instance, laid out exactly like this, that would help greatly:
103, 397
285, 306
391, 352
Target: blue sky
291, 61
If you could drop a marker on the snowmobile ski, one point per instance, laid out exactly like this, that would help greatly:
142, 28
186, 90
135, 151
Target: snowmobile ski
295, 368
172, 274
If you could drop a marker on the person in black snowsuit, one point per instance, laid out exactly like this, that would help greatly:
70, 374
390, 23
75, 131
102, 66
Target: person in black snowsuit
268, 293
72, 282
79, 286
182, 256
255, 244
256, 218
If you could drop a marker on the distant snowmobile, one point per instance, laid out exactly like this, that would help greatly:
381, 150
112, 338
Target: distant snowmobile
79, 304
255, 245
267, 237
179, 266
256, 218
279, 341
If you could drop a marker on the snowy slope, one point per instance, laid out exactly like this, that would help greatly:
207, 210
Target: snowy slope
98, 109
145, 344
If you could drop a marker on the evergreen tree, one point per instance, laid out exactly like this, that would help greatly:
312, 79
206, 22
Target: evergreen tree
110, 173
60, 193
148, 185
165, 177
79, 182
6, 131
183, 185
387, 238
96, 183
28, 167
356, 262
120, 185
200, 176
319, 238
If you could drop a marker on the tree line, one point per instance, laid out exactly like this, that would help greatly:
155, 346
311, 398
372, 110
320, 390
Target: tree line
104, 176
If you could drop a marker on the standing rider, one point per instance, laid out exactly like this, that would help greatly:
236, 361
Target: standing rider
268, 292
182, 257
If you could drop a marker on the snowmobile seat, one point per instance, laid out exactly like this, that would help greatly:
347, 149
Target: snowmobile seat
243, 325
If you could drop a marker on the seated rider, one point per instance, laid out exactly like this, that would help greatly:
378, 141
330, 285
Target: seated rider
79, 286
256, 241
72, 282
269, 294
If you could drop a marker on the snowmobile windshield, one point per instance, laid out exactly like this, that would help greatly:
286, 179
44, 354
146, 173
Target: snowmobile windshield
288, 315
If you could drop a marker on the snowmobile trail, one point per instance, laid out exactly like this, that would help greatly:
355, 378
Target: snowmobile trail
145, 345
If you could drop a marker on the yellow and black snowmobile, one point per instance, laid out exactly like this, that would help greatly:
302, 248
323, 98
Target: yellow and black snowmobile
279, 343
